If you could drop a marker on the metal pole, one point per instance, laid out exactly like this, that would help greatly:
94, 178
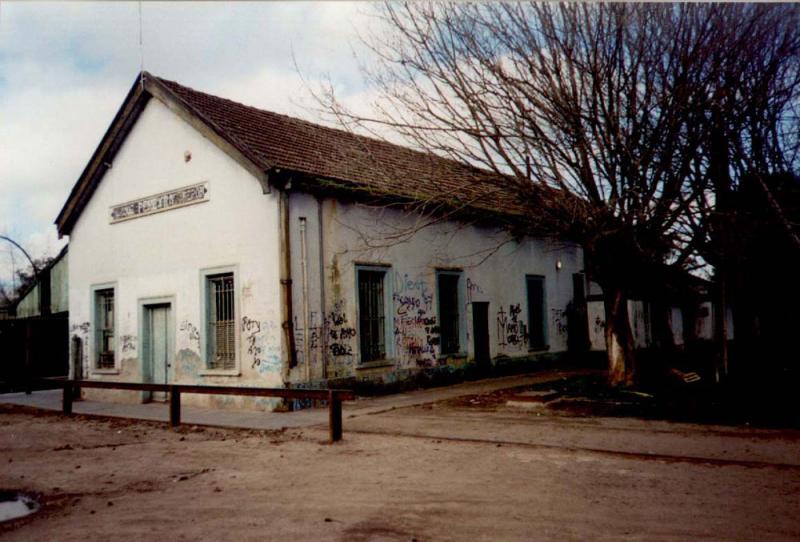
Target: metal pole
322, 328
28, 356
304, 272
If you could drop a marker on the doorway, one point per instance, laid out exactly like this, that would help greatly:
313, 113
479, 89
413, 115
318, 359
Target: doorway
157, 347
480, 334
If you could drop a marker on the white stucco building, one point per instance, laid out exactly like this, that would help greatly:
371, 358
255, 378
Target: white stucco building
214, 243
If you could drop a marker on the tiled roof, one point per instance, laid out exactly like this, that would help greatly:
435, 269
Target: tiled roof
279, 141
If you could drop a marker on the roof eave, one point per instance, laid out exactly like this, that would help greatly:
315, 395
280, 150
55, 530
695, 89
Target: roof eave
101, 158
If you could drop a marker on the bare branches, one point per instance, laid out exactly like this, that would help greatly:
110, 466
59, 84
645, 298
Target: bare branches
599, 120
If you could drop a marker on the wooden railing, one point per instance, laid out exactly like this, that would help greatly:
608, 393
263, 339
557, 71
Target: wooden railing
333, 397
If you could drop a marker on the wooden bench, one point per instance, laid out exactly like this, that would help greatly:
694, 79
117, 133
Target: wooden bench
334, 397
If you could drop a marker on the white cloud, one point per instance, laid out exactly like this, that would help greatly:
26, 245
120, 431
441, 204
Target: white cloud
66, 67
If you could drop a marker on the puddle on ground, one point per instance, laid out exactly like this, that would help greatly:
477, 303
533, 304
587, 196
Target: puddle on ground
14, 504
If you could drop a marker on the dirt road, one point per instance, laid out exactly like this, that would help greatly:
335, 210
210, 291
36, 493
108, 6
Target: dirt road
422, 473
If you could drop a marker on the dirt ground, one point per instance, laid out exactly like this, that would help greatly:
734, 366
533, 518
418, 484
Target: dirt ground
435, 472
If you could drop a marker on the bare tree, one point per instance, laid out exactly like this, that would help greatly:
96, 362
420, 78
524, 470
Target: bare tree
6, 297
753, 133
597, 117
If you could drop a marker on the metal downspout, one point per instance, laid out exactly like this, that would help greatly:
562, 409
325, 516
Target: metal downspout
304, 274
286, 284
322, 328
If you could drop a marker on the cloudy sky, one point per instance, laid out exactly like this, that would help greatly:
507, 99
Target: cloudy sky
65, 68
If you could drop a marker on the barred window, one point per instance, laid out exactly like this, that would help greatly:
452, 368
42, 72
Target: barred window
449, 313
104, 328
371, 315
221, 345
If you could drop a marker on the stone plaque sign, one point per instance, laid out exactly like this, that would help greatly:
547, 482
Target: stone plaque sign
165, 201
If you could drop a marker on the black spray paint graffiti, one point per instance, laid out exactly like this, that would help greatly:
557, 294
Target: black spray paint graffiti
128, 343
473, 290
416, 333
192, 332
511, 330
560, 322
334, 327
261, 344
329, 335
403, 283
599, 326
252, 328
317, 330
340, 333
409, 304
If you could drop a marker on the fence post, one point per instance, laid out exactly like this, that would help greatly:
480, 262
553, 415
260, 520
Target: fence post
335, 416
66, 401
28, 356
174, 406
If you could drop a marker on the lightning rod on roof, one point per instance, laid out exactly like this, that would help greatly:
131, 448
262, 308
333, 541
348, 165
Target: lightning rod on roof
141, 48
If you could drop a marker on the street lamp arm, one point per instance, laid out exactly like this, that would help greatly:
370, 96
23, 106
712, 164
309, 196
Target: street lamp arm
25, 252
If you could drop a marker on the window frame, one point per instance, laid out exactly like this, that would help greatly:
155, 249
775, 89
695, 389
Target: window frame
545, 324
94, 346
388, 320
205, 275
462, 316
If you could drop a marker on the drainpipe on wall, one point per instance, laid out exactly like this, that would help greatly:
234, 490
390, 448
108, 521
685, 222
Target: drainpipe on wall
286, 281
304, 273
323, 338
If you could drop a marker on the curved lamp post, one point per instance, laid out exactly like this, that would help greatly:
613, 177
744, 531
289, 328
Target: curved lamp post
25, 252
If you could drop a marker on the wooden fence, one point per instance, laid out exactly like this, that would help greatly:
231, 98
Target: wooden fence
333, 397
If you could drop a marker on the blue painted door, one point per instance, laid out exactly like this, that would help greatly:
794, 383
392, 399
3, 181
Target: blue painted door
158, 346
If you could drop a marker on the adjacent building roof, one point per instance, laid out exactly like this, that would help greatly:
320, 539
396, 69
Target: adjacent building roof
265, 142
43, 274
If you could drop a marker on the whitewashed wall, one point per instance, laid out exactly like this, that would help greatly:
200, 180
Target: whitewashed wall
638, 315
676, 325
494, 270
641, 322
163, 254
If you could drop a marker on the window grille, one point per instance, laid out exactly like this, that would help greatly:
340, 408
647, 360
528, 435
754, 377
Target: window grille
105, 328
371, 315
221, 349
449, 314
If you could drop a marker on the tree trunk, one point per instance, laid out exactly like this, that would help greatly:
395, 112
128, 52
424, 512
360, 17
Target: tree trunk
619, 338
663, 339
721, 325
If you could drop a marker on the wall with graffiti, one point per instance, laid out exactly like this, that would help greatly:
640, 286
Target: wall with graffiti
340, 237
234, 224
162, 256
